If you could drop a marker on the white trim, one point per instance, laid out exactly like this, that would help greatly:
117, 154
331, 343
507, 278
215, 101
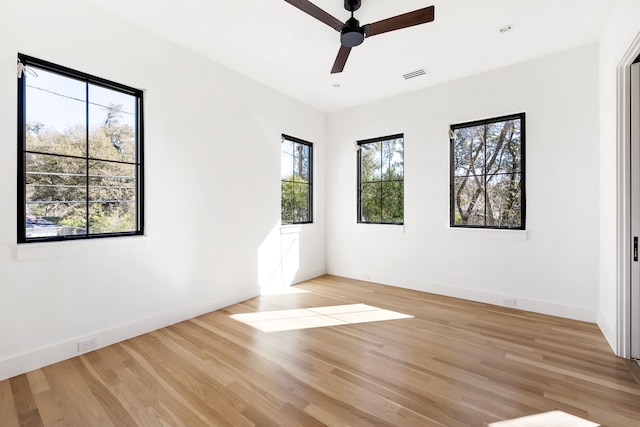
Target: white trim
311, 227
383, 228
77, 248
607, 330
487, 234
634, 284
623, 226
21, 363
585, 314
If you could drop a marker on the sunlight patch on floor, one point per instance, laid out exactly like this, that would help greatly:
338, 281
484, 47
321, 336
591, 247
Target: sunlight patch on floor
317, 317
284, 291
547, 419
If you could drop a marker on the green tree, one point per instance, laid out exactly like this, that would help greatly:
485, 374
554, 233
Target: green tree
295, 200
59, 176
382, 182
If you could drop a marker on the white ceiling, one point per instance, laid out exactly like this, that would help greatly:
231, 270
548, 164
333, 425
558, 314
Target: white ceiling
278, 45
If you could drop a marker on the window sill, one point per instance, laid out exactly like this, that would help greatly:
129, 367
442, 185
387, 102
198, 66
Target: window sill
384, 228
487, 234
77, 248
298, 228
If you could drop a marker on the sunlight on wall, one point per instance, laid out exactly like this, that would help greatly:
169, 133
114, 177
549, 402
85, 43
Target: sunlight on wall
270, 262
304, 318
279, 260
290, 240
547, 419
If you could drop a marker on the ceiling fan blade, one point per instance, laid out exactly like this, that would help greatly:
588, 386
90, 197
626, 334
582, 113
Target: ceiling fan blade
313, 10
341, 59
417, 17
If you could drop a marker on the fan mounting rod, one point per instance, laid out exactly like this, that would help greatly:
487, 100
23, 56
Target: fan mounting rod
352, 34
352, 5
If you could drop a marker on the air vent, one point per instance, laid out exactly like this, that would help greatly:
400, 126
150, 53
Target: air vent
416, 73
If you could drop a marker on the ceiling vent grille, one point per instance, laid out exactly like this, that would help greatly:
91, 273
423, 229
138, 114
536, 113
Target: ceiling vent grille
416, 73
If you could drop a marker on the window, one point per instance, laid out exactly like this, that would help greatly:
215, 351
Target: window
381, 180
79, 155
296, 181
487, 173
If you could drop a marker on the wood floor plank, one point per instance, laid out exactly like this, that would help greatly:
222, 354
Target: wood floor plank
8, 409
453, 363
25, 404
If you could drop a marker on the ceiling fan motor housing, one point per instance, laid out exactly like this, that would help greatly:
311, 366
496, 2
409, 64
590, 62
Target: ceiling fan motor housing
352, 34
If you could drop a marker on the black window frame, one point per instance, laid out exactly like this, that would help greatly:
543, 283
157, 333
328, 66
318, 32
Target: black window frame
359, 171
22, 151
299, 141
523, 200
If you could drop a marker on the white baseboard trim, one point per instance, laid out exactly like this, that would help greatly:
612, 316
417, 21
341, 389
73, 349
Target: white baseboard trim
22, 363
312, 273
528, 304
608, 332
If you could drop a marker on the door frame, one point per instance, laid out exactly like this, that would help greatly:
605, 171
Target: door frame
634, 300
625, 244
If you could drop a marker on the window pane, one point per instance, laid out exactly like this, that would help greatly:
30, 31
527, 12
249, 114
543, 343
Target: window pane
301, 202
370, 162
55, 114
112, 197
488, 153
469, 201
503, 147
468, 151
301, 158
295, 174
55, 194
287, 202
371, 202
112, 125
392, 159
286, 159
504, 200
69, 117
392, 202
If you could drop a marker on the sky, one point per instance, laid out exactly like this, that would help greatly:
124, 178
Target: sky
59, 101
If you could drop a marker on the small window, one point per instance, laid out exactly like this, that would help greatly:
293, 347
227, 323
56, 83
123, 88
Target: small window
296, 185
381, 180
488, 173
79, 155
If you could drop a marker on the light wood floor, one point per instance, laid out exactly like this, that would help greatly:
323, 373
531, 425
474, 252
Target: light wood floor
454, 363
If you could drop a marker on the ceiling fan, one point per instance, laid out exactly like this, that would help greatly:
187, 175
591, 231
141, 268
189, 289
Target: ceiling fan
352, 33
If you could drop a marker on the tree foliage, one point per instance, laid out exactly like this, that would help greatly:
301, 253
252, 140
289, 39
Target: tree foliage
70, 186
296, 182
487, 166
295, 200
382, 182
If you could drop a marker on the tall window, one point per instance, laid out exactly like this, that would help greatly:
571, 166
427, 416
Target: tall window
296, 181
381, 180
487, 173
79, 155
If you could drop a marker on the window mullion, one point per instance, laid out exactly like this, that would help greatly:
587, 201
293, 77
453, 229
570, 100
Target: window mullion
87, 156
485, 173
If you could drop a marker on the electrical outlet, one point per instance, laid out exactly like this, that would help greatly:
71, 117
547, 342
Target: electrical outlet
508, 301
88, 344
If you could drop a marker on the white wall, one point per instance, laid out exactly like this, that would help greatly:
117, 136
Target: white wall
553, 266
620, 32
212, 192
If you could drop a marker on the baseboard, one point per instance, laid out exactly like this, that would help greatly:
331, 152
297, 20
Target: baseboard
608, 332
309, 274
22, 363
529, 304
